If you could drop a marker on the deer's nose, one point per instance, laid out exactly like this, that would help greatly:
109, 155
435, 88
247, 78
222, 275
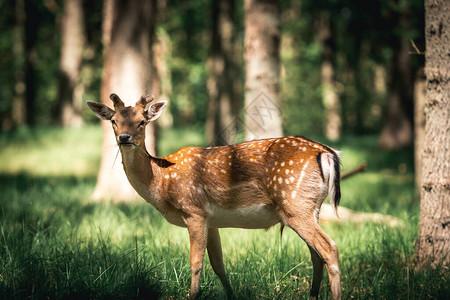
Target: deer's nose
123, 138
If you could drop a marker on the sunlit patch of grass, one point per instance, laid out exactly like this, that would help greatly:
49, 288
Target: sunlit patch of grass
51, 151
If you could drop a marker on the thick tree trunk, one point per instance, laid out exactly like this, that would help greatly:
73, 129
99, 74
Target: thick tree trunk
419, 124
397, 131
223, 82
127, 35
262, 62
72, 42
330, 96
433, 244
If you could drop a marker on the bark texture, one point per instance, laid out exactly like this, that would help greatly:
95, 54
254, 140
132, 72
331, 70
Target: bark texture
128, 30
419, 124
72, 42
262, 62
223, 82
433, 243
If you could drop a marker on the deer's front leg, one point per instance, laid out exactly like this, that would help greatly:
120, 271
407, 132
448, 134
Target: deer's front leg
198, 239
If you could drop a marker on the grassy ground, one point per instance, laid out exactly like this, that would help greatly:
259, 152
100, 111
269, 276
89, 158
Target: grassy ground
55, 243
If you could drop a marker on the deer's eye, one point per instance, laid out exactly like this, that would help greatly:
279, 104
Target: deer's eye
142, 123
113, 122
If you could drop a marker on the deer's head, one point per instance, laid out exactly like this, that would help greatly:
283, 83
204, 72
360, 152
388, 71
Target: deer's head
129, 122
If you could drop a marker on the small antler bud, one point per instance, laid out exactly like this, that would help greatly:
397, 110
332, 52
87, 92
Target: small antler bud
145, 100
116, 100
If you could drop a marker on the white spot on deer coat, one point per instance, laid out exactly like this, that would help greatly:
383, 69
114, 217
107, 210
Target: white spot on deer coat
300, 179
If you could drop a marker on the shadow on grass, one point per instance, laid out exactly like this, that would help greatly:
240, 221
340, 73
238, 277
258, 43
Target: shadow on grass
52, 247
43, 255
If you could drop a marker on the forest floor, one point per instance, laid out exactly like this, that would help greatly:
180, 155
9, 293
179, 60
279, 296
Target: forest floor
56, 243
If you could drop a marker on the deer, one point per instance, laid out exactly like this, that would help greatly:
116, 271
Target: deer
252, 185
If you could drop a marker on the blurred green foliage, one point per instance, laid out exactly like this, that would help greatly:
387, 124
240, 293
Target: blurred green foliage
364, 34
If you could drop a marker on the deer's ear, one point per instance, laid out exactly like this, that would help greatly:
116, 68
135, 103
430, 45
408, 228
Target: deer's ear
100, 110
155, 110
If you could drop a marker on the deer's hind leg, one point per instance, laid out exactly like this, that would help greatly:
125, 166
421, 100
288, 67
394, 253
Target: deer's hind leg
323, 249
214, 248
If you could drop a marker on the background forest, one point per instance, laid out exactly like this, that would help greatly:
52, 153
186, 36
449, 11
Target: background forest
351, 75
368, 45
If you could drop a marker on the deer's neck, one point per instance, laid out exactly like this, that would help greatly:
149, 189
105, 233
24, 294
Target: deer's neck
142, 173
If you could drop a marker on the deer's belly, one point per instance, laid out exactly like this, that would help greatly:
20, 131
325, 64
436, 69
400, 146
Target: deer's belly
252, 217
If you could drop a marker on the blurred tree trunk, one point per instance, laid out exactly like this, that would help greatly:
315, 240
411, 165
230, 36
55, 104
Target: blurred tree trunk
162, 78
223, 83
70, 86
330, 97
19, 109
397, 130
262, 62
419, 124
128, 31
32, 17
433, 244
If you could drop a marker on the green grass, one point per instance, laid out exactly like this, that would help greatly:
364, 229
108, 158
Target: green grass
55, 243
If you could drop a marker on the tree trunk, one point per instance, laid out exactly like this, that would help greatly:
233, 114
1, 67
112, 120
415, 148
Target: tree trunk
262, 62
223, 82
18, 105
162, 79
127, 36
419, 124
330, 97
433, 244
32, 18
397, 130
72, 42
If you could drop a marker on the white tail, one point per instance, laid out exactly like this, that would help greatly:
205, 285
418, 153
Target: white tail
254, 184
330, 163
